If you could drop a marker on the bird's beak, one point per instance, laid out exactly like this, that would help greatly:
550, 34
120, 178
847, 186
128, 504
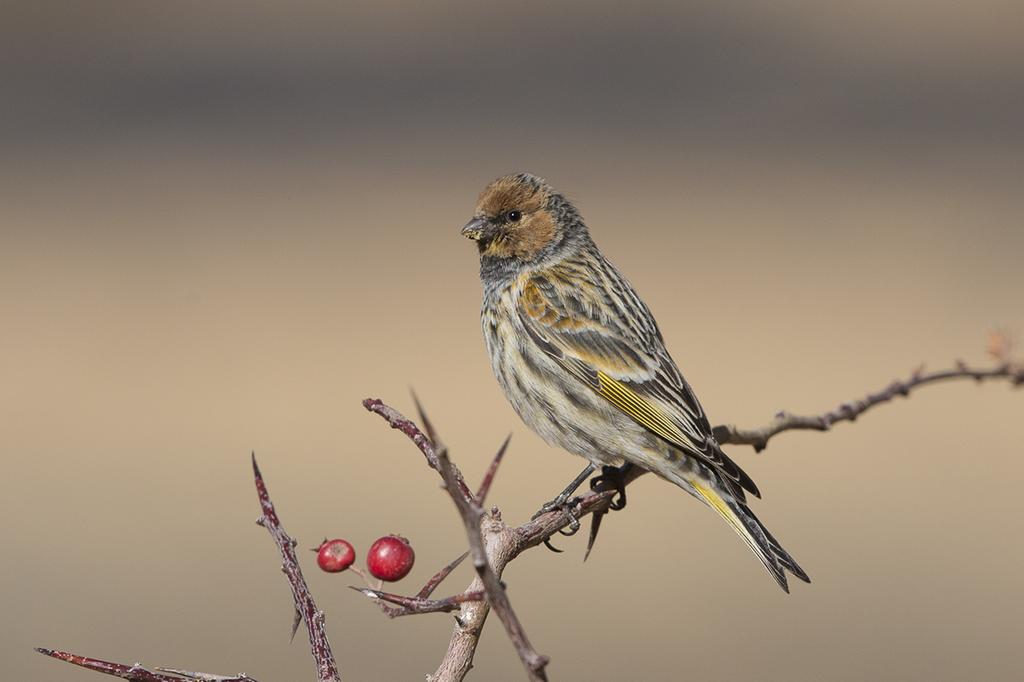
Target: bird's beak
474, 228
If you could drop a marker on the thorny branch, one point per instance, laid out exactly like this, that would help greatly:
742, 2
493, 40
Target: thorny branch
411, 606
499, 544
305, 607
493, 544
472, 516
137, 673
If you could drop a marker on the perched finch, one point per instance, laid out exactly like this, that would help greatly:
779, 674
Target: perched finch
583, 363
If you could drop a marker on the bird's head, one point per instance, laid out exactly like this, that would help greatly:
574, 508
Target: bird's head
519, 217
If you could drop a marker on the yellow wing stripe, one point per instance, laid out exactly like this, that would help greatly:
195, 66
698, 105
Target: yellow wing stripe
640, 409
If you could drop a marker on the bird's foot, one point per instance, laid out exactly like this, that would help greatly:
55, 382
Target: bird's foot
612, 478
568, 507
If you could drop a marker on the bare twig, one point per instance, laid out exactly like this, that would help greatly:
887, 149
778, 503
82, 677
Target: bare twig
729, 434
305, 607
137, 673
204, 677
412, 606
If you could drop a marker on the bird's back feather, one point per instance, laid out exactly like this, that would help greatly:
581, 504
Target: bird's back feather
586, 316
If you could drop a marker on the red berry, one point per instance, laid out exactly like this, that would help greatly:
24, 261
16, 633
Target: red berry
335, 556
390, 558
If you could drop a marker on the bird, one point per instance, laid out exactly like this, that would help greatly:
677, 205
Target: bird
583, 363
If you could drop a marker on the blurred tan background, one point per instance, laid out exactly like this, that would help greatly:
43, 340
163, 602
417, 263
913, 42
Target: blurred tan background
223, 226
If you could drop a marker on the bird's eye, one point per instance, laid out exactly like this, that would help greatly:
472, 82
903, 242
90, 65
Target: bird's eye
514, 216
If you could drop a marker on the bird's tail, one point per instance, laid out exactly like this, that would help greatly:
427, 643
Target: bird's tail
738, 515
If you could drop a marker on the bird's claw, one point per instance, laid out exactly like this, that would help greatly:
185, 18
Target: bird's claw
566, 507
574, 522
547, 543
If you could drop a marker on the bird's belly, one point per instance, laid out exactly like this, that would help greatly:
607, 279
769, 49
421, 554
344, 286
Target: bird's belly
558, 407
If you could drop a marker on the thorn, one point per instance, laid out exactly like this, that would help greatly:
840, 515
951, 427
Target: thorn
595, 526
295, 625
440, 576
427, 425
488, 480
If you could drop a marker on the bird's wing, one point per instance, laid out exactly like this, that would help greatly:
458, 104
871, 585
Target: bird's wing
592, 323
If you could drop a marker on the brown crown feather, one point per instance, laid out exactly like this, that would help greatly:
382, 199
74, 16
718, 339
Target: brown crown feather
536, 229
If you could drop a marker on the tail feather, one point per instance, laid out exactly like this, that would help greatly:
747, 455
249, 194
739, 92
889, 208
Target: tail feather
783, 557
738, 515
